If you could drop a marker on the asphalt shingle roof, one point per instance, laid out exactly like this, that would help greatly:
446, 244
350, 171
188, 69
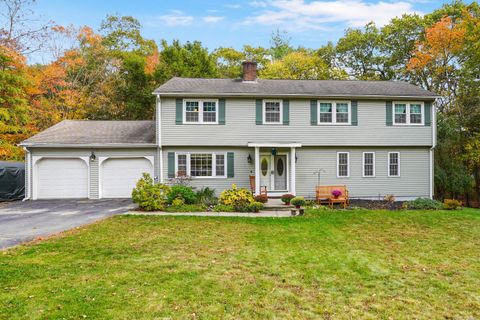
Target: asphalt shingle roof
313, 88
91, 132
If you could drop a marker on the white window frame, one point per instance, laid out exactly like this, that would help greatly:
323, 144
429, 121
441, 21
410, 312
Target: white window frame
334, 113
408, 123
264, 111
338, 164
214, 164
200, 112
388, 164
363, 164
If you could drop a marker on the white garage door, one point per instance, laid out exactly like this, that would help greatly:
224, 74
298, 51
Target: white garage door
119, 175
62, 178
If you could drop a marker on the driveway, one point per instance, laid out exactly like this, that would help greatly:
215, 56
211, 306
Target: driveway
25, 221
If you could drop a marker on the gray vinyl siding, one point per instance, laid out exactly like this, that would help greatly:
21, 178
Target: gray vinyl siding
242, 169
240, 128
93, 165
414, 180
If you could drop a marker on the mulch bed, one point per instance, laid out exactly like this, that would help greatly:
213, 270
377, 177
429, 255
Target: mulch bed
376, 204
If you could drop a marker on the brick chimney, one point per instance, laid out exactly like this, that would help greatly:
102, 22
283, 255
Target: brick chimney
249, 71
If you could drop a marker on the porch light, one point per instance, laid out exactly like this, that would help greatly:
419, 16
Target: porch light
274, 151
93, 157
249, 158
296, 158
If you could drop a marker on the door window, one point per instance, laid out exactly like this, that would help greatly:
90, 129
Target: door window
264, 166
280, 166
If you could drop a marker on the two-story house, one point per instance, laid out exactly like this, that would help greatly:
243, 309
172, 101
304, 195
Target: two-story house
376, 137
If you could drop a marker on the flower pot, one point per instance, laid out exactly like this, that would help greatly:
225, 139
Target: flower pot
293, 212
298, 207
287, 203
301, 212
336, 197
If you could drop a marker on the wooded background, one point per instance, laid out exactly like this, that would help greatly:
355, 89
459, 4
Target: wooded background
111, 72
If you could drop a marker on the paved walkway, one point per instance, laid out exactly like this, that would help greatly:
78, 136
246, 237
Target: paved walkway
261, 214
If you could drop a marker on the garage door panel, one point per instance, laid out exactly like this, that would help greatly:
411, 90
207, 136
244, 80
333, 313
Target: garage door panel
120, 175
62, 178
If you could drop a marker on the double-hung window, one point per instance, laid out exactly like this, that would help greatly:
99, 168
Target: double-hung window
394, 164
200, 111
334, 112
406, 113
201, 165
272, 111
343, 164
369, 164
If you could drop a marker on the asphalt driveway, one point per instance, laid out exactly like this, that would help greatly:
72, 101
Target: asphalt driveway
25, 221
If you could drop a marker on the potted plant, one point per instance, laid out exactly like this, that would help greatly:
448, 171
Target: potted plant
336, 193
286, 198
298, 202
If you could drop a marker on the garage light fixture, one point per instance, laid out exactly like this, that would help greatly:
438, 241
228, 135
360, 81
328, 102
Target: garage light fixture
93, 157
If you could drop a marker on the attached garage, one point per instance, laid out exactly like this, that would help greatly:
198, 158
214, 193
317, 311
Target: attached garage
64, 178
89, 159
118, 176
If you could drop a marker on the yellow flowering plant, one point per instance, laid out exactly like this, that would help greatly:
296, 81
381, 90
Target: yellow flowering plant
237, 198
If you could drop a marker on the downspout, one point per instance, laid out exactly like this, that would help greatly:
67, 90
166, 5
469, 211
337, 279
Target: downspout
432, 149
159, 137
28, 174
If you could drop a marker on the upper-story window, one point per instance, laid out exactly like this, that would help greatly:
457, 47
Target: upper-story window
408, 113
200, 111
272, 111
334, 112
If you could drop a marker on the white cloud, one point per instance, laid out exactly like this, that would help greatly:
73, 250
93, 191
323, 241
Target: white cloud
212, 19
176, 18
233, 6
319, 15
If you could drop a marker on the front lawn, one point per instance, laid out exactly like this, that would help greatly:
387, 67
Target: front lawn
333, 265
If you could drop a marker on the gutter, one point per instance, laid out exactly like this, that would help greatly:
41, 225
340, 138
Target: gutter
89, 145
295, 95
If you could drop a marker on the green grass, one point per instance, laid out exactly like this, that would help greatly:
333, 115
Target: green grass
332, 265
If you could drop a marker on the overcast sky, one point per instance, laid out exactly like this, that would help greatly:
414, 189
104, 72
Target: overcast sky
235, 23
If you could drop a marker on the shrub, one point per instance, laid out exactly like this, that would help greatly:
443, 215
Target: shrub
206, 196
286, 198
390, 198
423, 204
451, 204
263, 198
298, 201
223, 208
237, 198
182, 192
255, 206
148, 195
178, 202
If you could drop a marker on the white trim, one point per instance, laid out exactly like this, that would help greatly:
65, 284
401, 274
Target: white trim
200, 111
334, 113
408, 103
431, 155
388, 164
257, 170
264, 101
363, 164
348, 164
89, 145
274, 145
34, 165
214, 164
293, 171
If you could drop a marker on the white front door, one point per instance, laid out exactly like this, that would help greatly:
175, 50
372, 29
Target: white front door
120, 175
265, 171
274, 172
